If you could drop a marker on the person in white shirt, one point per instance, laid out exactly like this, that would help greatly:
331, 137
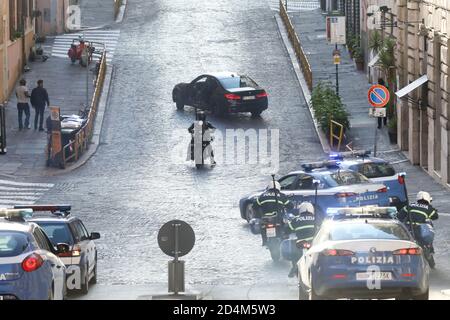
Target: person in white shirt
23, 106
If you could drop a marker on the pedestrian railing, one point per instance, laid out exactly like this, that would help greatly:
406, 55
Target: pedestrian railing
336, 135
76, 147
293, 37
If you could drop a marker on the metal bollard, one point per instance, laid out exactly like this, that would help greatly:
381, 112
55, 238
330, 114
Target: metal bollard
2, 129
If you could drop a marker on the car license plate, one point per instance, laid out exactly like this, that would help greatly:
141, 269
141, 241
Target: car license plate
374, 276
271, 232
249, 98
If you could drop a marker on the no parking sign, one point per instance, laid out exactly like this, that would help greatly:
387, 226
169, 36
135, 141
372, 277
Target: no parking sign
378, 96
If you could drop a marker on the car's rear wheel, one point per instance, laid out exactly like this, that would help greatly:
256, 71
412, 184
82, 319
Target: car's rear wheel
249, 212
94, 276
256, 114
424, 296
85, 284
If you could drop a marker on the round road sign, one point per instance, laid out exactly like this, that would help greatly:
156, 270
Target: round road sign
378, 96
167, 238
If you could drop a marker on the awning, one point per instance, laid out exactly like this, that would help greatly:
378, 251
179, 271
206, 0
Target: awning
374, 61
412, 86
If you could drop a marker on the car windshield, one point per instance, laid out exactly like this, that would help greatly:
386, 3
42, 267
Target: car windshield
237, 82
57, 232
362, 231
343, 178
12, 244
376, 170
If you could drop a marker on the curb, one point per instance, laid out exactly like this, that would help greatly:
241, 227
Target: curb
122, 9
302, 82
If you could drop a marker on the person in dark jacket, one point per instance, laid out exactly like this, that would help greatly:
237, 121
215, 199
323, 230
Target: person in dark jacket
304, 227
39, 99
421, 212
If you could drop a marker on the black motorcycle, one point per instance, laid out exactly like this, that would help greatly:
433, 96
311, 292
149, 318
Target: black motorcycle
273, 231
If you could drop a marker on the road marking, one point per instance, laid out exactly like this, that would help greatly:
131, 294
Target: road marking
21, 193
110, 38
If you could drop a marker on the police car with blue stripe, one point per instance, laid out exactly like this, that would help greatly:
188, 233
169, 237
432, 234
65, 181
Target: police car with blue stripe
377, 170
30, 268
327, 185
363, 253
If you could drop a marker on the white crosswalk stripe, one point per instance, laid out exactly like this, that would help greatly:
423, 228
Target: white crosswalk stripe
296, 5
21, 193
61, 44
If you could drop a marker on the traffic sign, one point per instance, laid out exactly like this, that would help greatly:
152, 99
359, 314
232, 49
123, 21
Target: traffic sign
337, 57
176, 236
378, 96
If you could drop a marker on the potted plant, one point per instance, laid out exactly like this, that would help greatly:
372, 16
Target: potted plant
392, 130
358, 56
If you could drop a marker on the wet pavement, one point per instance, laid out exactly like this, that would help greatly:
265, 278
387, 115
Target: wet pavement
132, 185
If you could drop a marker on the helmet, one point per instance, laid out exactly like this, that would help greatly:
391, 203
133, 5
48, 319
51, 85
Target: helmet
271, 186
201, 116
424, 196
306, 207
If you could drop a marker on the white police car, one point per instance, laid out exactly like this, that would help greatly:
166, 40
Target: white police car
336, 187
29, 266
378, 171
81, 258
363, 253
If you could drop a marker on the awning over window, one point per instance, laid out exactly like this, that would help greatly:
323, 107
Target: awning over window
412, 86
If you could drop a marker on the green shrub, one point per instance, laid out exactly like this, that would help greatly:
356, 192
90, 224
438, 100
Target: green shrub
327, 106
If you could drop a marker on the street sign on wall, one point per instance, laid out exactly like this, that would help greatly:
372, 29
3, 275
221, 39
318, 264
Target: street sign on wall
336, 31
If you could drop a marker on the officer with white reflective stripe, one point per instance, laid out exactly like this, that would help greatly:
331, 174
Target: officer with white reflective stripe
303, 226
419, 213
272, 201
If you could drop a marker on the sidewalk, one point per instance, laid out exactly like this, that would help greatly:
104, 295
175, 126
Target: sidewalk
310, 27
66, 85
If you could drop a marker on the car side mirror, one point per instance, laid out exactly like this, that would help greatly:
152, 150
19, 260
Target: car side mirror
62, 248
95, 236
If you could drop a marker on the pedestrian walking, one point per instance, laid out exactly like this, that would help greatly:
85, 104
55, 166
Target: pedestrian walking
22, 104
39, 99
382, 121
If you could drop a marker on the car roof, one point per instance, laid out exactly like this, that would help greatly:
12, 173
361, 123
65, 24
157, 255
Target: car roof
318, 172
223, 74
6, 225
53, 219
363, 221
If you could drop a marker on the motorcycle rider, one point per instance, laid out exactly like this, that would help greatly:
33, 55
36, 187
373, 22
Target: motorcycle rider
272, 203
303, 225
416, 214
206, 137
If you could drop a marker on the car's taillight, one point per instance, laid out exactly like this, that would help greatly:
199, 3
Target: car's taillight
345, 194
339, 276
270, 226
262, 95
32, 263
231, 96
337, 253
384, 189
75, 252
401, 179
408, 252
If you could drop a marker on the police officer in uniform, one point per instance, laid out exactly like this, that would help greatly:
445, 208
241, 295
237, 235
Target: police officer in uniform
304, 226
419, 213
207, 138
272, 203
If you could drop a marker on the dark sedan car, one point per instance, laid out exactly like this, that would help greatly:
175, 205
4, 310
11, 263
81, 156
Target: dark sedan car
222, 93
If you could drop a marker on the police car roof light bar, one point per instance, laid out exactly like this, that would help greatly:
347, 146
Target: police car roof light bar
362, 212
54, 209
350, 154
319, 165
16, 214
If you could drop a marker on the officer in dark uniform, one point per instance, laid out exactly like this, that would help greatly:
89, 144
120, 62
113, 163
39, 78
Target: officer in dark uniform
419, 213
272, 203
304, 226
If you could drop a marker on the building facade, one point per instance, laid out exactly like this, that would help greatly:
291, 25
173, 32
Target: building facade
16, 41
51, 18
